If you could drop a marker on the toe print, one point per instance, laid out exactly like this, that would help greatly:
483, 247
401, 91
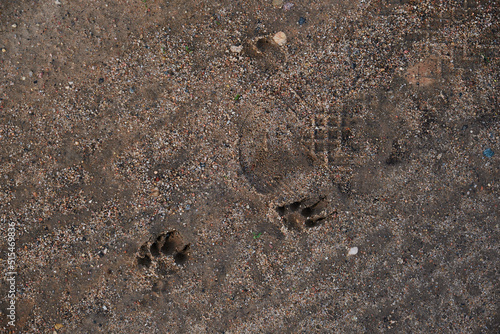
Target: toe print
160, 248
304, 213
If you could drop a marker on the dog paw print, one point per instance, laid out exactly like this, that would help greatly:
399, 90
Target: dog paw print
304, 213
166, 252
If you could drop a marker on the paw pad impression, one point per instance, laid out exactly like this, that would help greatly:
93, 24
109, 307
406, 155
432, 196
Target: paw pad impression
166, 244
308, 213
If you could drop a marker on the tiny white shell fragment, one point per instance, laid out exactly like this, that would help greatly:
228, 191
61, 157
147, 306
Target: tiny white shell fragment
280, 38
236, 49
353, 251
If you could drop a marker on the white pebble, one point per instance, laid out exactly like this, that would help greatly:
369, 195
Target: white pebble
280, 38
236, 49
353, 251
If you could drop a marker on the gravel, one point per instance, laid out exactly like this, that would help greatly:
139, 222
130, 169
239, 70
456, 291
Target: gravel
174, 167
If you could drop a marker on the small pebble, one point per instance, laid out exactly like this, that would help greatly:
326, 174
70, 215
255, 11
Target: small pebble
488, 153
280, 38
236, 49
3, 50
278, 3
288, 6
353, 251
302, 20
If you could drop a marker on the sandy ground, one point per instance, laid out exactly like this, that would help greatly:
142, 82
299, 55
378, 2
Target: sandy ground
171, 167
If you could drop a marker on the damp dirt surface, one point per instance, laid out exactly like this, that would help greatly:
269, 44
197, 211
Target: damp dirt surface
176, 167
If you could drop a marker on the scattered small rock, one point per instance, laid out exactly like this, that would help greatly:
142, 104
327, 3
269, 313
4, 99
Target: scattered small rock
278, 3
236, 49
288, 6
353, 251
488, 153
280, 38
302, 20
